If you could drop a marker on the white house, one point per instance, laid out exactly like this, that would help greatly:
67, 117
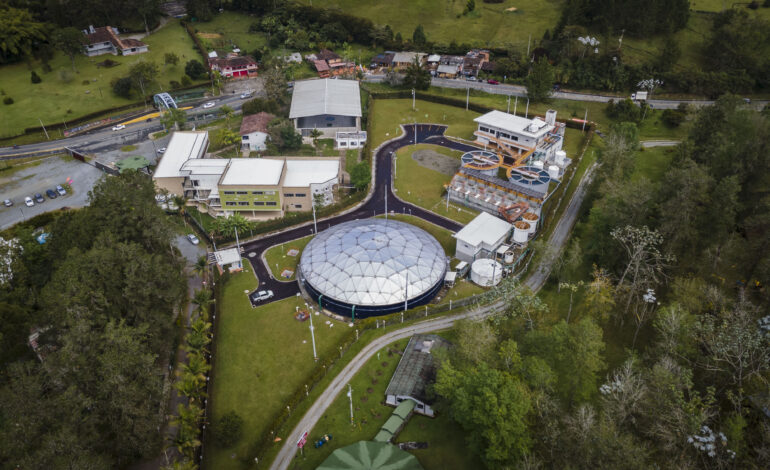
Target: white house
105, 40
350, 140
482, 236
253, 132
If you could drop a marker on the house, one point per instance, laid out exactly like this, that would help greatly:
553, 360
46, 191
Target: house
383, 60
339, 67
322, 68
257, 188
447, 71
401, 60
254, 131
327, 55
328, 105
433, 61
474, 61
329, 64
350, 140
234, 66
481, 237
105, 40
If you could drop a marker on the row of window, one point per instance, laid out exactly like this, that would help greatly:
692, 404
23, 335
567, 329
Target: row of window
294, 195
499, 134
259, 193
246, 203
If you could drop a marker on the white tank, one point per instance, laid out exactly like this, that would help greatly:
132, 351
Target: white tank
539, 164
561, 157
550, 117
531, 218
486, 272
508, 258
520, 232
553, 172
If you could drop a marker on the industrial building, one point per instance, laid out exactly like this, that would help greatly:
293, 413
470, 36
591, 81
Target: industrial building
256, 188
370, 267
329, 105
481, 237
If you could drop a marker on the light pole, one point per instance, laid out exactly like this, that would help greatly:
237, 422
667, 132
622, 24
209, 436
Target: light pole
413, 94
350, 397
312, 333
315, 226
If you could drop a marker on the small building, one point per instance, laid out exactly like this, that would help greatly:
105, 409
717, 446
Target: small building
482, 236
328, 105
106, 40
415, 371
447, 71
322, 67
228, 260
383, 60
499, 128
253, 131
234, 66
402, 60
183, 146
327, 55
433, 61
350, 140
474, 61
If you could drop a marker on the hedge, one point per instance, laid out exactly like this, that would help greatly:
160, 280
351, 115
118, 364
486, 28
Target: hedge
197, 41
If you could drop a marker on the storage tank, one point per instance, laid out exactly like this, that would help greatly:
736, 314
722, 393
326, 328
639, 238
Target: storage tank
553, 172
508, 257
486, 272
561, 157
520, 232
539, 164
550, 117
531, 218
482, 160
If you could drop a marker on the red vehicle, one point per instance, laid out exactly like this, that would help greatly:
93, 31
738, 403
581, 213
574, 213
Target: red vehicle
493, 82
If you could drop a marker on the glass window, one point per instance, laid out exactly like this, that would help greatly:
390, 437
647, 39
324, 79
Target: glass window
256, 192
298, 206
288, 195
230, 192
259, 203
243, 203
271, 203
270, 193
241, 192
230, 203
300, 195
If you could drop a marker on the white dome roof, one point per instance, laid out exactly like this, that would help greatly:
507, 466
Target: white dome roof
369, 262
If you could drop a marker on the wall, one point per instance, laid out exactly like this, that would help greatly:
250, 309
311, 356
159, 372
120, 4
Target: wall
246, 202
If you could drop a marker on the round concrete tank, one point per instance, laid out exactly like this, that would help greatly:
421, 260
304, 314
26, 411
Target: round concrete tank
553, 172
531, 218
486, 272
482, 160
561, 157
520, 232
508, 257
539, 164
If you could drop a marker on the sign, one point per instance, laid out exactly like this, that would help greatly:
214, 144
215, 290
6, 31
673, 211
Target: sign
302, 440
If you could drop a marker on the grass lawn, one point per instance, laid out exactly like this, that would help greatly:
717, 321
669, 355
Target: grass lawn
263, 356
278, 260
424, 186
488, 25
351, 159
227, 29
652, 163
62, 96
446, 439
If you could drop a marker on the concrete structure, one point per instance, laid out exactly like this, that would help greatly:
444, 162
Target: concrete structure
229, 259
253, 187
498, 128
253, 131
350, 140
105, 40
486, 272
328, 105
482, 236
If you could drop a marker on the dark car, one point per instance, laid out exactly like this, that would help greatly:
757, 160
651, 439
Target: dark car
493, 82
39, 198
51, 194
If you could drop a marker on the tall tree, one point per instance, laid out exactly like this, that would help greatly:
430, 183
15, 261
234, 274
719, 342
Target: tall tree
416, 76
70, 41
540, 81
143, 73
19, 33
418, 37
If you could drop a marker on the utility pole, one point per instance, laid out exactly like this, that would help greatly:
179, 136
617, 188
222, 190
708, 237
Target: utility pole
312, 333
406, 291
415, 132
526, 112
509, 104
238, 245
467, 97
315, 225
413, 93
585, 118
350, 396
515, 105
385, 193
46, 132
528, 44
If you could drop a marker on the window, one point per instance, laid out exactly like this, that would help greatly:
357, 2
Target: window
259, 193
243, 203
245, 137
195, 182
300, 195
271, 203
241, 192
270, 193
259, 203
288, 195
298, 206
230, 203
229, 192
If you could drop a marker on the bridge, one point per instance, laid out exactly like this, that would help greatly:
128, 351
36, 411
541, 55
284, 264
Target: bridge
164, 100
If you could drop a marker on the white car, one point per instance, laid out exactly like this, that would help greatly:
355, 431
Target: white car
261, 295
208, 105
118, 127
162, 150
160, 198
245, 95
29, 202
193, 239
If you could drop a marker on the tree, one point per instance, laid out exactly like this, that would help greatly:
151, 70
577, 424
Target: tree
34, 77
227, 112
148, 9
202, 300
416, 76
539, 82
360, 176
228, 429
143, 73
174, 117
315, 134
599, 298
228, 225
274, 80
70, 41
418, 37
194, 69
170, 58
469, 6
19, 33
284, 135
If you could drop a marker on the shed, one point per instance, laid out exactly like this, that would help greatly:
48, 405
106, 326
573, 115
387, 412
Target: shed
414, 372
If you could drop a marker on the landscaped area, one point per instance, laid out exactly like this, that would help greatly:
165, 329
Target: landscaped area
63, 95
257, 349
280, 258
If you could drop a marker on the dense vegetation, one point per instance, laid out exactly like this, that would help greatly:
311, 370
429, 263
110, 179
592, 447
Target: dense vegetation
677, 288
103, 291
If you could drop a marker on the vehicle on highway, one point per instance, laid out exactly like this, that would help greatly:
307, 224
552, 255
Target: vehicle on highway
161, 150
118, 127
193, 239
60, 189
39, 198
51, 194
493, 82
261, 295
246, 95
210, 104
471, 78
7, 203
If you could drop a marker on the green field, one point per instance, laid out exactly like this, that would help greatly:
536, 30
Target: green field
62, 96
263, 356
278, 260
232, 29
488, 25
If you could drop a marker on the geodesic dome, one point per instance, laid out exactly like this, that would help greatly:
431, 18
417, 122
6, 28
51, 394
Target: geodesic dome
369, 267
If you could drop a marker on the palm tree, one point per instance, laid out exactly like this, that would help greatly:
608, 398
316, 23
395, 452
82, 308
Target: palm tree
202, 299
183, 465
315, 134
228, 112
190, 386
196, 365
198, 337
201, 268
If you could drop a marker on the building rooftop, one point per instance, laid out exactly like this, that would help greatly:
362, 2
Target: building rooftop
183, 146
302, 173
415, 369
485, 228
515, 124
326, 96
228, 256
256, 123
443, 68
401, 57
252, 172
204, 166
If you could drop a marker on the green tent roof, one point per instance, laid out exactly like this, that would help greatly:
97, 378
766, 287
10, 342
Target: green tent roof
137, 162
404, 408
368, 455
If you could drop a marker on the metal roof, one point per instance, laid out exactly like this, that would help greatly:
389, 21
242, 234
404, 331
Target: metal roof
252, 172
514, 124
183, 146
303, 173
327, 96
485, 228
402, 57
369, 455
415, 369
373, 262
228, 256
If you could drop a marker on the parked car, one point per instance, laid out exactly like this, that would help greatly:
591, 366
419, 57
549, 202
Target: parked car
246, 95
471, 78
39, 198
51, 194
193, 239
118, 127
208, 105
261, 295
60, 189
8, 203
162, 150
29, 202
160, 198
493, 82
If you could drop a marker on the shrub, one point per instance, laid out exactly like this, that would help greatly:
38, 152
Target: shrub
174, 84
7, 100
122, 86
34, 77
86, 82
186, 80
257, 105
194, 69
673, 117
228, 429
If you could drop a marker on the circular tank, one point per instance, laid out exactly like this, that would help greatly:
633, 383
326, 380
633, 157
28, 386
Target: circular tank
539, 164
561, 157
553, 172
508, 258
528, 176
531, 218
520, 232
482, 160
486, 272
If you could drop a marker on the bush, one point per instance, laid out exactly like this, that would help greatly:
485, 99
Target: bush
85, 82
186, 80
174, 84
7, 100
360, 176
34, 77
624, 110
228, 429
257, 105
122, 87
673, 117
195, 69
